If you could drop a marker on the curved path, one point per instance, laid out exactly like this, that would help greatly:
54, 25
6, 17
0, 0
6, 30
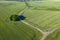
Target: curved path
33, 26
50, 31
45, 34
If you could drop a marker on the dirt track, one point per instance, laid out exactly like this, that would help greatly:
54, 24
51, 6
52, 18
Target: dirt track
45, 34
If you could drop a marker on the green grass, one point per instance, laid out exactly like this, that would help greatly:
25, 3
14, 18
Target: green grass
54, 36
46, 17
10, 30
45, 5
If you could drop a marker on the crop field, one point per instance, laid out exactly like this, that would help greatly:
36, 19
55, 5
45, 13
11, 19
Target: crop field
42, 20
54, 36
44, 15
10, 30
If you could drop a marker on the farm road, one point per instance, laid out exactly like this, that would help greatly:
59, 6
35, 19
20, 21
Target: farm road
45, 34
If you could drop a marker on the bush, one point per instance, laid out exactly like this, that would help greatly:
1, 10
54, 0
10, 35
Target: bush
13, 17
17, 17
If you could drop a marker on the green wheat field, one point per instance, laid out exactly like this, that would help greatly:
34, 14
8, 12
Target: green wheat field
43, 15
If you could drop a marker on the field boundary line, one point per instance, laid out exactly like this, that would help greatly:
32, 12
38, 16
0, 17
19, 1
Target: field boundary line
44, 33
54, 28
33, 26
22, 12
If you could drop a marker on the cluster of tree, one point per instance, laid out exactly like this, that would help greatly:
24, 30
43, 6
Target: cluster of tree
17, 17
20, 0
